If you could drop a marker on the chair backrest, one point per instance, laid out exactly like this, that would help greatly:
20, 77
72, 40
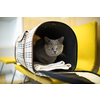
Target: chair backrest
87, 48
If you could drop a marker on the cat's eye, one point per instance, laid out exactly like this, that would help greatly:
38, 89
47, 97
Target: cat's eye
58, 47
50, 47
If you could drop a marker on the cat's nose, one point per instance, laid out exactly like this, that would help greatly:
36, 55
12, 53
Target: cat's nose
54, 49
54, 52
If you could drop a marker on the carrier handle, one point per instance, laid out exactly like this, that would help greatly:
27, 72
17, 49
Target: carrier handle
63, 78
20, 38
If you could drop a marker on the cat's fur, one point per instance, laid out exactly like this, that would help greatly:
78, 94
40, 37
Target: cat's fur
46, 50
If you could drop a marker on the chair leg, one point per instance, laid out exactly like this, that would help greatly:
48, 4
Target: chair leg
1, 68
24, 79
13, 76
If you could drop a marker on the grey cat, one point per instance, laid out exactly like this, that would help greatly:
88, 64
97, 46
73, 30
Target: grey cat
46, 50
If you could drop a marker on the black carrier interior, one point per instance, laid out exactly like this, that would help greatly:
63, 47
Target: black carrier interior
55, 30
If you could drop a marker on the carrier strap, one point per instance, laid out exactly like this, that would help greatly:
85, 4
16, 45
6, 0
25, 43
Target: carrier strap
65, 78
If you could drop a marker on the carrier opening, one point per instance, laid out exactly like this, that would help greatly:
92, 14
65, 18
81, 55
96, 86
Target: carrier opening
55, 30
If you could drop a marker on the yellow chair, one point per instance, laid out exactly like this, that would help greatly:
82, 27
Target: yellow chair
86, 37
8, 60
87, 46
43, 80
98, 71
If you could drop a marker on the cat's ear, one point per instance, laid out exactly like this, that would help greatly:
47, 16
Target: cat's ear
61, 39
46, 39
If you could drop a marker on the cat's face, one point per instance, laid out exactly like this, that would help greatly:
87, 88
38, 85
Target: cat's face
53, 47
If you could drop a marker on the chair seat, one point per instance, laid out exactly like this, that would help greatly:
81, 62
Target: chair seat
8, 60
43, 80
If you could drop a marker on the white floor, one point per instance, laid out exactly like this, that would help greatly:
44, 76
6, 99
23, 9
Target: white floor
8, 77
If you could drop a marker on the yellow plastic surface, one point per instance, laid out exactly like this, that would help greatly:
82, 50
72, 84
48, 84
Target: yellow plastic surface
86, 38
98, 70
8, 60
42, 80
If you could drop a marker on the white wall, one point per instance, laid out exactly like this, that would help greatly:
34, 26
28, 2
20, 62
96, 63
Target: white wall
10, 28
9, 31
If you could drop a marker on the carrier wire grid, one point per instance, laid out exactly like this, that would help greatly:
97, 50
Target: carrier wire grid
52, 30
